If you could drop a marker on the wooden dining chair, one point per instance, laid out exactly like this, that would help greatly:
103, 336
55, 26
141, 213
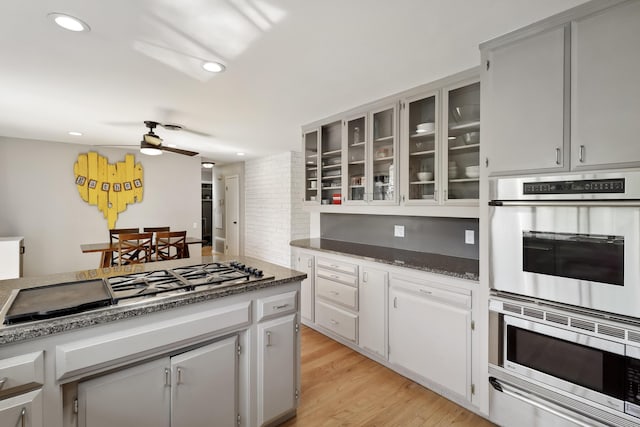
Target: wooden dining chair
134, 248
113, 239
171, 245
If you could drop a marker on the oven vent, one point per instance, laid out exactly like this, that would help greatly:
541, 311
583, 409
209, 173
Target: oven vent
512, 308
556, 318
611, 331
633, 336
583, 324
530, 312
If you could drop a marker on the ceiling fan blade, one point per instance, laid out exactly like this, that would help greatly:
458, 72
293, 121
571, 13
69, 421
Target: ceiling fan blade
178, 151
176, 126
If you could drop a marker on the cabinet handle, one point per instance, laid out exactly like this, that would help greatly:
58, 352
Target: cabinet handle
403, 198
333, 276
333, 322
557, 156
581, 157
424, 291
395, 302
365, 277
167, 377
444, 192
335, 266
2, 381
435, 195
23, 416
179, 379
280, 307
268, 338
334, 293
486, 162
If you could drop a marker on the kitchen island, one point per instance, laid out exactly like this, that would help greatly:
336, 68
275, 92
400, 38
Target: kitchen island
224, 352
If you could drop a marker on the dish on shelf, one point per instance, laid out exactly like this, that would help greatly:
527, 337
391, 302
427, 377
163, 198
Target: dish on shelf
472, 171
466, 113
425, 127
469, 138
425, 176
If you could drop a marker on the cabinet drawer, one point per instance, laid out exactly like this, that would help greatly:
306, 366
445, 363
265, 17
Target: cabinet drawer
342, 267
338, 277
276, 305
26, 371
336, 320
336, 292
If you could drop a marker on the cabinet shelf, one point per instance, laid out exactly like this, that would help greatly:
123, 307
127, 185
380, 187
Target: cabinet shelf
331, 153
311, 189
332, 188
358, 144
465, 180
466, 126
312, 169
381, 159
357, 162
312, 156
384, 138
422, 153
327, 177
423, 135
464, 147
336, 166
356, 186
422, 182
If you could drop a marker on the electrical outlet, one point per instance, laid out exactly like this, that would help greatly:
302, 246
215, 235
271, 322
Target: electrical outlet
398, 230
469, 237
195, 225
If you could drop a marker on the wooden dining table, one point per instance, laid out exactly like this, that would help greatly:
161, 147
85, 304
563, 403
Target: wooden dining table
106, 249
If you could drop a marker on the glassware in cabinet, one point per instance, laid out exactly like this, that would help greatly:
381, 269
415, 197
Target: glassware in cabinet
422, 152
463, 142
356, 137
383, 156
310, 141
331, 163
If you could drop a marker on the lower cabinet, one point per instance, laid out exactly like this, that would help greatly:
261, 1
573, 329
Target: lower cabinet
430, 333
305, 263
188, 389
372, 313
277, 381
24, 410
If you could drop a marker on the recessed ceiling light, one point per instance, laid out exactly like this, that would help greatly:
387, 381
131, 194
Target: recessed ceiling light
74, 133
207, 165
69, 22
213, 67
240, 154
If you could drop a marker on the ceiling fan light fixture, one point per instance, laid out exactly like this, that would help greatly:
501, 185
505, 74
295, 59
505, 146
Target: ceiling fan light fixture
69, 22
213, 67
207, 165
149, 149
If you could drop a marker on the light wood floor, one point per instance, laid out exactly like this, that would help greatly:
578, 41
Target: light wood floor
343, 388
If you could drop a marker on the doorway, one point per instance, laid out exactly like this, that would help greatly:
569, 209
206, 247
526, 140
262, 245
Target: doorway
232, 214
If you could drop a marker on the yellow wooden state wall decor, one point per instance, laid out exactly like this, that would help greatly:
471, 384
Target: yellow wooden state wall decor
109, 187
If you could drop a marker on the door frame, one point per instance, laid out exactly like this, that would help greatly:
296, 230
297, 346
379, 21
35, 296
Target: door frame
227, 226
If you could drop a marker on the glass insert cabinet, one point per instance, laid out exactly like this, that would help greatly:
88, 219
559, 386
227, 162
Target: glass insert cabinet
422, 149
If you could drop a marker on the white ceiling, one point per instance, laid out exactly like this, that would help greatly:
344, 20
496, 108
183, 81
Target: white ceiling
289, 62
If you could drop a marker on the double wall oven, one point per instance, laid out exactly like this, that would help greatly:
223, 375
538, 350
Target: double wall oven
565, 301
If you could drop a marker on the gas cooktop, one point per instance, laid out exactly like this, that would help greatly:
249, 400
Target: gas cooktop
44, 302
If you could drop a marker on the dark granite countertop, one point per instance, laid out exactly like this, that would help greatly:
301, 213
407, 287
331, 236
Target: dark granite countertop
35, 329
463, 268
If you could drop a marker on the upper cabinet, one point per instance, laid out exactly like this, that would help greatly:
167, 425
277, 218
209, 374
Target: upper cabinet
310, 141
356, 158
331, 163
383, 155
563, 94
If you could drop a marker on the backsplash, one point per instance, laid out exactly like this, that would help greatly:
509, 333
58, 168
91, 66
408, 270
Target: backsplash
444, 236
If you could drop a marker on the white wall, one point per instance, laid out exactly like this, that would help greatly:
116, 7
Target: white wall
273, 207
39, 200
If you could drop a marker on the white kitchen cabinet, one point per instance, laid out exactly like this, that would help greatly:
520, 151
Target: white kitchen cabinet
23, 410
310, 148
430, 333
277, 381
356, 139
605, 103
372, 325
205, 385
523, 103
191, 389
383, 152
305, 263
336, 306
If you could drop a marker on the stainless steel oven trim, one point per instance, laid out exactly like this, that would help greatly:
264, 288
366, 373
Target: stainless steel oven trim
560, 384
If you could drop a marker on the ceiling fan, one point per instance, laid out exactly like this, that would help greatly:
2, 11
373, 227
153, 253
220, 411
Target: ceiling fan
151, 143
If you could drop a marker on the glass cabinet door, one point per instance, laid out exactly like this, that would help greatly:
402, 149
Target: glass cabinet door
356, 152
422, 150
463, 142
382, 186
310, 142
331, 163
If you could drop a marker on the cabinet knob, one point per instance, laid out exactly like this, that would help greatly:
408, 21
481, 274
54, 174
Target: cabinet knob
2, 381
558, 159
268, 338
23, 416
179, 372
581, 157
167, 377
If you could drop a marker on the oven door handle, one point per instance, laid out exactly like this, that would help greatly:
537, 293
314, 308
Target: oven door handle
528, 398
567, 203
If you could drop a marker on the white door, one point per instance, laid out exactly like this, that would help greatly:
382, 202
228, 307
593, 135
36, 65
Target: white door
430, 337
371, 325
22, 410
205, 386
132, 397
304, 263
523, 102
277, 344
232, 224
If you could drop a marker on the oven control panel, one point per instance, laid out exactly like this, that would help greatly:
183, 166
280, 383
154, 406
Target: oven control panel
585, 186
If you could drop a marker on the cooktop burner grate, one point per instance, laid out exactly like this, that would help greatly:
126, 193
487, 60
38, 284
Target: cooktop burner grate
217, 273
146, 284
